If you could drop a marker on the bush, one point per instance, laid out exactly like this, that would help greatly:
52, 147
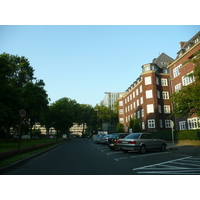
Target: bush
178, 135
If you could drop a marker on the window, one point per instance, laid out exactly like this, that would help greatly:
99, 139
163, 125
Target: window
165, 95
121, 120
157, 80
134, 115
138, 114
141, 100
133, 104
161, 123
177, 87
120, 103
158, 94
187, 79
150, 108
143, 125
193, 123
136, 92
151, 123
147, 80
138, 102
142, 112
196, 40
128, 99
166, 109
176, 70
164, 82
149, 94
140, 88
182, 125
159, 109
167, 123
130, 96
121, 111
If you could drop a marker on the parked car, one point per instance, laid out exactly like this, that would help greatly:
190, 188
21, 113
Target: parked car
141, 142
99, 138
104, 139
112, 140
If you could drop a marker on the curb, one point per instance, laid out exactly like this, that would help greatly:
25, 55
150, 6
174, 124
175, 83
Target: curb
20, 162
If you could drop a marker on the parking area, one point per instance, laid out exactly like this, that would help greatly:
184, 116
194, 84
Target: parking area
153, 162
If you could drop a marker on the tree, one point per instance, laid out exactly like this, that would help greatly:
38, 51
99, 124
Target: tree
63, 113
119, 128
15, 72
186, 101
34, 101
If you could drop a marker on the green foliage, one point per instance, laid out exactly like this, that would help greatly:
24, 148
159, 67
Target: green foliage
119, 128
134, 124
186, 101
19, 92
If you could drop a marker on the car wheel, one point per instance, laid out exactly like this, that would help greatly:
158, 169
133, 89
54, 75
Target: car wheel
112, 148
143, 149
163, 147
125, 151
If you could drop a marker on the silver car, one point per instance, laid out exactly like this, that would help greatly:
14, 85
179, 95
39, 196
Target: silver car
141, 142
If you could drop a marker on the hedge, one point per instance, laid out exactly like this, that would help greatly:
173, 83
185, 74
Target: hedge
178, 135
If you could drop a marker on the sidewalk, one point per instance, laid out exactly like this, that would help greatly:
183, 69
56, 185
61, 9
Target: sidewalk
191, 148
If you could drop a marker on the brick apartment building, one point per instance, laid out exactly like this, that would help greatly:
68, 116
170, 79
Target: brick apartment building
148, 98
178, 74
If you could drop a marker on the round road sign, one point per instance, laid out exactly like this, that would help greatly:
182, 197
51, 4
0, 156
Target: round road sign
22, 113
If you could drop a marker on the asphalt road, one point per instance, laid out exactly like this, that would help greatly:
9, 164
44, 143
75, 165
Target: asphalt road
84, 157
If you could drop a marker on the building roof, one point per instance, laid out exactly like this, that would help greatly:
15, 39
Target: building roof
162, 60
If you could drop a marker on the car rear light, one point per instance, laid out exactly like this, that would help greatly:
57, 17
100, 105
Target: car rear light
132, 142
118, 141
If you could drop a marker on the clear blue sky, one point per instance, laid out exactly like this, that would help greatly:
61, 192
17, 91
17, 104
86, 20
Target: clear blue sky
83, 62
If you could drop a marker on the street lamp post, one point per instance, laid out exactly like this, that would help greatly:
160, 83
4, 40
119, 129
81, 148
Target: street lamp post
97, 119
109, 105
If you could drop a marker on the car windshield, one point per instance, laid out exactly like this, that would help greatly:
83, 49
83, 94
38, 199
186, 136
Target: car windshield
133, 136
113, 135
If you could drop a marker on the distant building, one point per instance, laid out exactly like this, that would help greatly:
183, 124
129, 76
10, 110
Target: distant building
147, 98
77, 129
179, 77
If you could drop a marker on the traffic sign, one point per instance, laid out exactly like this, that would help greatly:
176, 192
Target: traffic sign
22, 113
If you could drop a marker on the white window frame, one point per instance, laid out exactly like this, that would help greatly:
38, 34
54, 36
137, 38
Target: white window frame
141, 100
150, 108
149, 94
147, 80
138, 103
121, 120
121, 111
167, 123
167, 109
151, 123
182, 125
137, 92
177, 87
120, 103
138, 114
193, 123
165, 95
140, 88
176, 71
186, 80
143, 125
142, 112
164, 82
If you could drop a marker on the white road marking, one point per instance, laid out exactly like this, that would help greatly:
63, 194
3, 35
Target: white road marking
158, 164
137, 156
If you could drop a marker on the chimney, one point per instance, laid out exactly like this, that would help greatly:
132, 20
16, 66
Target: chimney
182, 43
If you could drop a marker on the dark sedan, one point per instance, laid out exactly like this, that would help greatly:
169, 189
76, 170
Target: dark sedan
112, 140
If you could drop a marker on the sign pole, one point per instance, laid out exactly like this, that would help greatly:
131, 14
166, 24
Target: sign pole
172, 127
22, 114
